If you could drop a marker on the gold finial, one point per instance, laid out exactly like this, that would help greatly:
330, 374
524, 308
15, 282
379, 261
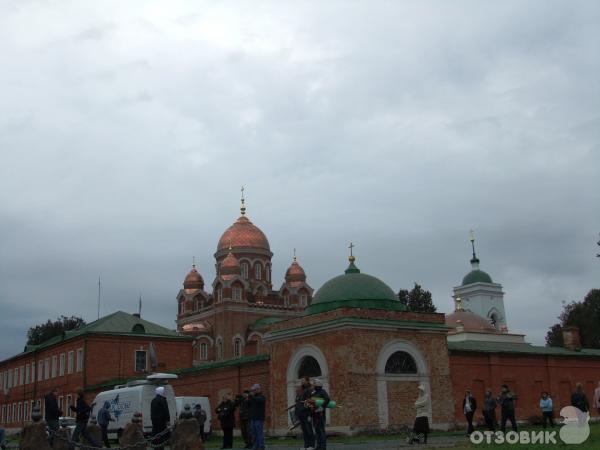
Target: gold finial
294, 255
243, 207
458, 304
351, 258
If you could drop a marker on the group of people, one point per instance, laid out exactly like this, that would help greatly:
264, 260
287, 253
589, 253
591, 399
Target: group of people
506, 400
309, 410
251, 405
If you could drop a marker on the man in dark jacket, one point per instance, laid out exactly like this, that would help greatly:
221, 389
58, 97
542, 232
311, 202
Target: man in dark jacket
82, 415
200, 416
104, 418
469, 405
579, 399
319, 417
489, 410
506, 400
160, 417
256, 411
243, 403
52, 414
225, 413
303, 413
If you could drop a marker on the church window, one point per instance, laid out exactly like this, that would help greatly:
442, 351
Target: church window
237, 293
203, 350
237, 348
244, 271
400, 363
219, 349
268, 273
258, 272
309, 367
140, 360
286, 299
219, 295
303, 300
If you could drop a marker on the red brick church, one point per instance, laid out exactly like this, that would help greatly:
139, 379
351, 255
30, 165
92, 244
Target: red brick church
353, 333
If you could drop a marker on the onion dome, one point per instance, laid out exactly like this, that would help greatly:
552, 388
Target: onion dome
230, 265
354, 290
243, 233
193, 280
295, 272
470, 321
475, 275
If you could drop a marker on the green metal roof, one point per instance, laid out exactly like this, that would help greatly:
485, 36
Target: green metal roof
476, 276
354, 290
264, 322
120, 323
509, 347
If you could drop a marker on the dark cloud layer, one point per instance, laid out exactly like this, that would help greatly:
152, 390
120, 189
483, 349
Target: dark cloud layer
127, 129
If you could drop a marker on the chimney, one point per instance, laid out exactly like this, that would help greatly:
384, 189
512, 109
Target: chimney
571, 338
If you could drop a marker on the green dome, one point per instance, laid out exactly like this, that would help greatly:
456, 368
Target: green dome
354, 290
476, 276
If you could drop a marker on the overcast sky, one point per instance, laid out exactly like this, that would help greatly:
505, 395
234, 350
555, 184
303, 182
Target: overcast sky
127, 129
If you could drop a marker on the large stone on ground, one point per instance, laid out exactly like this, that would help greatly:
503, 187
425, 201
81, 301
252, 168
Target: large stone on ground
34, 437
186, 435
133, 434
95, 431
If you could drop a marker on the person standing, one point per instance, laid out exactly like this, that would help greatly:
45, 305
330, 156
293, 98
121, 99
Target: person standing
52, 414
2, 438
469, 407
303, 413
421, 425
579, 399
547, 407
243, 403
597, 398
319, 416
104, 418
256, 412
160, 416
82, 415
506, 400
200, 416
489, 410
225, 413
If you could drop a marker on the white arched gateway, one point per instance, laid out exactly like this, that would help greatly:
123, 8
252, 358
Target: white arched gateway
399, 361
307, 360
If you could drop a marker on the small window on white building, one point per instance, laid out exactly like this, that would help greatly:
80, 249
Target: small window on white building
140, 360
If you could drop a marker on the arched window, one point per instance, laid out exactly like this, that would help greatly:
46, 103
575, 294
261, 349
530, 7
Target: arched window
203, 350
197, 304
181, 306
237, 348
286, 299
138, 328
219, 348
244, 267
258, 271
218, 295
400, 363
303, 300
237, 293
309, 367
268, 273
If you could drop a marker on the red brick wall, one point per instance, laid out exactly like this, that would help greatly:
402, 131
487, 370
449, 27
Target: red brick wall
526, 375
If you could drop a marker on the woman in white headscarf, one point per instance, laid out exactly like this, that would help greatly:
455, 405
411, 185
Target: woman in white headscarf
421, 426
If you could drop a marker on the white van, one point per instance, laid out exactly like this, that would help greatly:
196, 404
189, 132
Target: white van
125, 400
204, 402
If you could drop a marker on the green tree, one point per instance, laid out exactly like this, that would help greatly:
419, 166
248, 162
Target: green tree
41, 333
585, 315
417, 299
